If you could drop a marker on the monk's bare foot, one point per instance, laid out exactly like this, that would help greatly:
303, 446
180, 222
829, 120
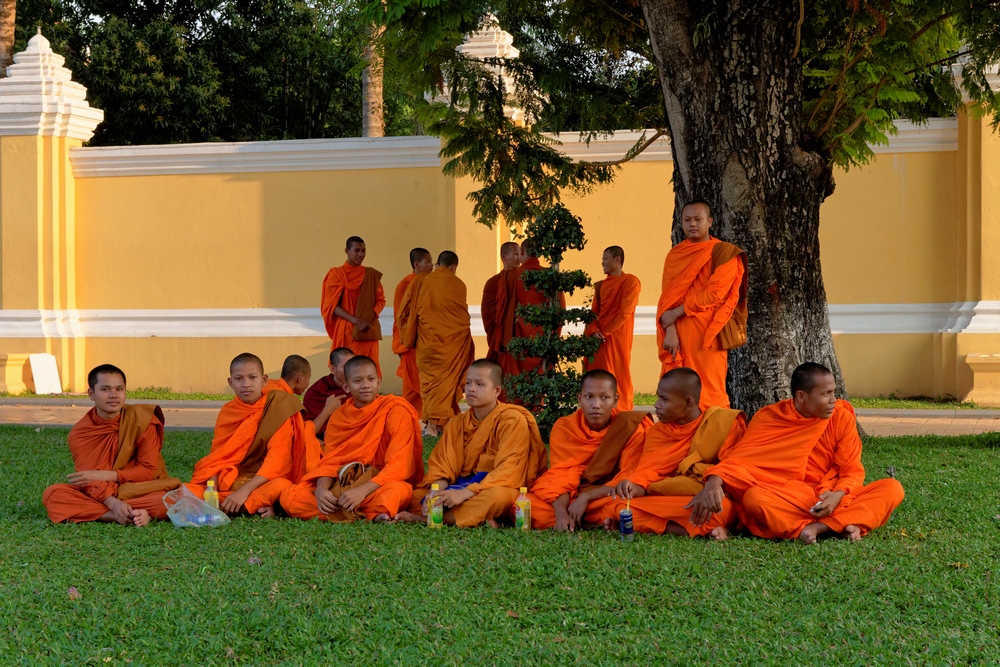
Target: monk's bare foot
719, 534
812, 531
266, 512
611, 525
410, 517
432, 431
381, 518
492, 523
140, 518
853, 533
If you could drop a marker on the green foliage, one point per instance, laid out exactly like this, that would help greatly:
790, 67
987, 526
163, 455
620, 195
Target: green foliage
554, 281
920, 590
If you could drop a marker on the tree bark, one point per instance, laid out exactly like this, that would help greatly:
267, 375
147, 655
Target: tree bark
372, 118
7, 23
733, 105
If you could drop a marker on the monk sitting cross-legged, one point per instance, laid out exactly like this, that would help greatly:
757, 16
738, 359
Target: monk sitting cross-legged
382, 434
434, 319
483, 457
499, 301
119, 471
261, 443
615, 300
797, 473
327, 393
351, 302
421, 261
702, 311
295, 375
587, 449
677, 451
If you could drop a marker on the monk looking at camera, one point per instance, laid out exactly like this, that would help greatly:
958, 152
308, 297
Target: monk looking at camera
352, 301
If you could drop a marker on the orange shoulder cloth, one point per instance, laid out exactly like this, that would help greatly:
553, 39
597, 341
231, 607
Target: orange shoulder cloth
365, 310
733, 333
604, 464
133, 423
716, 423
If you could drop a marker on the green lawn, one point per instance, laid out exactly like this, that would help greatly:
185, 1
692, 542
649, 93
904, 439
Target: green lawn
920, 591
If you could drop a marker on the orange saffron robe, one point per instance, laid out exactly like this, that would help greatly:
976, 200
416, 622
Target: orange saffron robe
94, 444
341, 288
435, 316
572, 445
709, 299
528, 297
506, 445
499, 302
407, 370
615, 310
667, 452
291, 452
786, 460
384, 434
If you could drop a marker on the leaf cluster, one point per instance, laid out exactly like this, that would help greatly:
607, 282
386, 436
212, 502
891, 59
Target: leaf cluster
549, 396
554, 281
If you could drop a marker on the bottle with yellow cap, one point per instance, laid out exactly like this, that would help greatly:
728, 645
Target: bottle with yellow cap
522, 510
435, 508
211, 494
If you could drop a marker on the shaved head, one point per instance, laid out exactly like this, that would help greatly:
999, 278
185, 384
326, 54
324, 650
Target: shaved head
683, 382
617, 252
353, 241
358, 363
418, 254
338, 355
598, 375
295, 365
496, 372
447, 258
94, 375
807, 376
509, 248
528, 248
246, 358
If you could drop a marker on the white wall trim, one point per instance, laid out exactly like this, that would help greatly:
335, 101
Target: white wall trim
939, 134
257, 156
919, 318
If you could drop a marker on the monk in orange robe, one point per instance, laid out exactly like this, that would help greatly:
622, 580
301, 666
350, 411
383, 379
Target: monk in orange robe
435, 321
498, 303
296, 372
702, 310
420, 260
483, 457
797, 473
351, 303
677, 451
380, 435
119, 471
327, 393
587, 449
526, 296
261, 443
615, 300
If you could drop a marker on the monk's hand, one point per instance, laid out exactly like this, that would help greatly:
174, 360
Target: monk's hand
455, 497
671, 341
234, 501
361, 324
84, 477
332, 403
350, 500
564, 522
628, 490
598, 335
828, 501
121, 511
577, 509
706, 502
326, 501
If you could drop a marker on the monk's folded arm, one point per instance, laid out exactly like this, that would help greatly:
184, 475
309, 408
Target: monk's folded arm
147, 456
399, 454
344, 315
719, 287
561, 503
510, 465
323, 484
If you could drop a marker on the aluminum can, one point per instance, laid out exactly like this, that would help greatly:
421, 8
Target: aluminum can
625, 529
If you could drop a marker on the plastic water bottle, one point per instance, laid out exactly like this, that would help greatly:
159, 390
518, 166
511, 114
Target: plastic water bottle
211, 495
522, 510
435, 508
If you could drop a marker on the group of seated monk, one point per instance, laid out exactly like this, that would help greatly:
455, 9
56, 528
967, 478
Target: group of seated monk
794, 472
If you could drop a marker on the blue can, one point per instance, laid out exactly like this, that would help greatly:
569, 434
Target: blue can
625, 529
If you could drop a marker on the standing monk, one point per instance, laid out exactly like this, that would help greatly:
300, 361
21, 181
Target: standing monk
526, 296
702, 311
676, 453
119, 471
797, 472
499, 301
587, 449
483, 457
327, 393
351, 303
615, 300
421, 262
435, 321
382, 433
260, 446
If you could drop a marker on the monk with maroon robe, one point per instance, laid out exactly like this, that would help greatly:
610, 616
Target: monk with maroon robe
498, 303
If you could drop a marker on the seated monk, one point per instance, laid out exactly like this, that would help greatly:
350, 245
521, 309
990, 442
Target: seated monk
382, 433
587, 449
677, 451
119, 471
295, 375
483, 457
797, 473
261, 443
327, 393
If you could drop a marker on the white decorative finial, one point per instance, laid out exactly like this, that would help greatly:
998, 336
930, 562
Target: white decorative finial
40, 98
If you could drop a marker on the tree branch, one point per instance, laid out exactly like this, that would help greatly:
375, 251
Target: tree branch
631, 155
798, 28
920, 33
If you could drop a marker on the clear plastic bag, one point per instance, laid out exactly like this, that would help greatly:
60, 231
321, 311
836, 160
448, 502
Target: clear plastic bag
187, 510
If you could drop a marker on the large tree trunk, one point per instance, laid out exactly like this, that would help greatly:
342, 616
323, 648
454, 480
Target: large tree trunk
372, 118
733, 105
7, 14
